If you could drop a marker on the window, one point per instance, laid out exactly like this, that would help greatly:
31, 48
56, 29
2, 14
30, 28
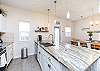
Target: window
24, 31
68, 31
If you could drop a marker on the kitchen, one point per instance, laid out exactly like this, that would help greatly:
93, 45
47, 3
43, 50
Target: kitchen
57, 35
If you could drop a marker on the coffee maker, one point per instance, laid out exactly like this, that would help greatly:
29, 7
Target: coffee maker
40, 38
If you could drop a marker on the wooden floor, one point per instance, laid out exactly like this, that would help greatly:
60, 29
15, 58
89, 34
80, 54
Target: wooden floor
29, 64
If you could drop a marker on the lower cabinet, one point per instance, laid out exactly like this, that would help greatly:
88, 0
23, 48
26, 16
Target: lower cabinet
9, 50
47, 62
52, 68
42, 59
44, 62
65, 68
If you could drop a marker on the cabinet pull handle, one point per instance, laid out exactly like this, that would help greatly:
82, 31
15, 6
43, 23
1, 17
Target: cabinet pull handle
49, 65
49, 58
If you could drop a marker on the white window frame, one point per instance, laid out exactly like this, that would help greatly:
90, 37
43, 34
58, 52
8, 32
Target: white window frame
21, 32
68, 31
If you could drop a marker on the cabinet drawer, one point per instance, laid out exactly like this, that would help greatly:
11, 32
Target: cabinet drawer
55, 63
44, 52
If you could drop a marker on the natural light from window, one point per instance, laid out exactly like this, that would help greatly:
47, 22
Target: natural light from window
68, 31
24, 31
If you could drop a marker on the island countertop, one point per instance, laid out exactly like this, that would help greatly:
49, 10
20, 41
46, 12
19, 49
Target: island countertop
73, 57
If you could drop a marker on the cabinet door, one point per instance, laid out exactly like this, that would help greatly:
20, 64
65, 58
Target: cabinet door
2, 23
65, 68
9, 50
95, 66
52, 68
55, 63
43, 59
44, 63
39, 57
36, 48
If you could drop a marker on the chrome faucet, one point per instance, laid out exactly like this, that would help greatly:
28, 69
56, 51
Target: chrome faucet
52, 38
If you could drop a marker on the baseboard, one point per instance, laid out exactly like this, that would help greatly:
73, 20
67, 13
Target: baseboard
15, 57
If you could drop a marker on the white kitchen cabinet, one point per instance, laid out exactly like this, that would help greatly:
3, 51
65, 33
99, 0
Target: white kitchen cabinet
65, 68
42, 59
95, 66
55, 63
9, 50
44, 63
39, 56
52, 68
47, 62
2, 23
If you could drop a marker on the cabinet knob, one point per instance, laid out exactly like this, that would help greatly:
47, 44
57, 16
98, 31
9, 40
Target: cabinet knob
49, 58
39, 52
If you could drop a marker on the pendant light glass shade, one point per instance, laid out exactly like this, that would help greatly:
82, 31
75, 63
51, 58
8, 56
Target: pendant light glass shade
68, 15
91, 23
96, 22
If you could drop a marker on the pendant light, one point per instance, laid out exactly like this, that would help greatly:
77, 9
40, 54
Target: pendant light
68, 15
48, 16
93, 22
68, 10
92, 19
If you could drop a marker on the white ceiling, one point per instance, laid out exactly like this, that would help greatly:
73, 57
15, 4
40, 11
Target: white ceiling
77, 8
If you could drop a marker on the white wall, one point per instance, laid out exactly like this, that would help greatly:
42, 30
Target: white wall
15, 15
85, 23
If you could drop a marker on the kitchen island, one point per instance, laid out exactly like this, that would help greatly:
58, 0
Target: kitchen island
73, 57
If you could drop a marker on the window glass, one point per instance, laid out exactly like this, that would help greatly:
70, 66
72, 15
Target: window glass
24, 31
68, 31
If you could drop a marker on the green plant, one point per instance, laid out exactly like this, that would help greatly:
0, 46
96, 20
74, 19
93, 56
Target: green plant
3, 12
90, 34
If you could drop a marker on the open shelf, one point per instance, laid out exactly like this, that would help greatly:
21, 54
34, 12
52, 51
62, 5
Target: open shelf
1, 33
41, 31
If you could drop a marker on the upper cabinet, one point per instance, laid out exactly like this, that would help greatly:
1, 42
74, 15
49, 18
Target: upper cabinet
2, 23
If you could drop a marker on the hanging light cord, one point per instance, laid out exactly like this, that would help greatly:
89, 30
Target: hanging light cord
55, 7
48, 15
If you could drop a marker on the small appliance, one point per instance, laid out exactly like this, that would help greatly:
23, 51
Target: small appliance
39, 38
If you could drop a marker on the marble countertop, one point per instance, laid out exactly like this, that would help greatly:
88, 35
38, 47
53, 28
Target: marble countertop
3, 48
5, 44
73, 57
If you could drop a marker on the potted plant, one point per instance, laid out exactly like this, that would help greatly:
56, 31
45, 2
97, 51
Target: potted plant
3, 12
90, 34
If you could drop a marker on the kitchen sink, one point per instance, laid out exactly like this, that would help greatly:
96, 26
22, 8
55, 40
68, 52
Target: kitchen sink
47, 44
